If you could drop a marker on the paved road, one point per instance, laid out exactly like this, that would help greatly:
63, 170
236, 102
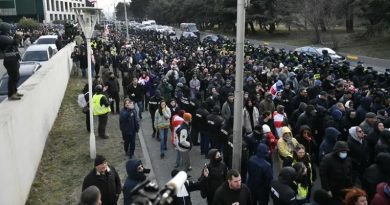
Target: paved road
378, 64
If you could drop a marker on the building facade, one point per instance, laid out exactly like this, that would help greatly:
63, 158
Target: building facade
45, 11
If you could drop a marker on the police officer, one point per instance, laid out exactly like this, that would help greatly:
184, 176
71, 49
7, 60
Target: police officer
101, 108
9, 47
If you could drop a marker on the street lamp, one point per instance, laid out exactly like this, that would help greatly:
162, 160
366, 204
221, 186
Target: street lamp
87, 17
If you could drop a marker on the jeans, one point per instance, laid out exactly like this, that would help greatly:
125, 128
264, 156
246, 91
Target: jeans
84, 72
140, 105
178, 158
163, 139
204, 143
129, 143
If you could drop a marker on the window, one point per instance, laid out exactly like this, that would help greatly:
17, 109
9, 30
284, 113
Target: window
51, 17
52, 4
47, 5
69, 16
62, 6
73, 17
78, 5
66, 6
60, 16
55, 17
57, 6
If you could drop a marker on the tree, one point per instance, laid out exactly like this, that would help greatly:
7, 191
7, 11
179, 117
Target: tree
377, 14
139, 8
28, 24
120, 12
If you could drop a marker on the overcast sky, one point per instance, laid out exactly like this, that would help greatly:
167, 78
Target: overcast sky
108, 6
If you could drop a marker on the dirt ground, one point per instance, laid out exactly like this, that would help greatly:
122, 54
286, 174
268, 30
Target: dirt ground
66, 161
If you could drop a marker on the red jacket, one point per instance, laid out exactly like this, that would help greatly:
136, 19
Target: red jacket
380, 197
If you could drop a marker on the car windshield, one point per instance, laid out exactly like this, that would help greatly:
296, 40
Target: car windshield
46, 41
4, 84
35, 56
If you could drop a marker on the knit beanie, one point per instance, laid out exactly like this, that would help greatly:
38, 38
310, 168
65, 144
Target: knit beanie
99, 160
187, 117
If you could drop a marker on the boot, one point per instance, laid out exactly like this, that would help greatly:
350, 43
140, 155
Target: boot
19, 94
14, 97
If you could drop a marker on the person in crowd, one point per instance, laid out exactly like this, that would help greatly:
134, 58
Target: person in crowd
306, 174
162, 123
382, 196
322, 197
373, 138
136, 92
129, 126
76, 61
215, 122
305, 137
176, 121
330, 139
296, 113
355, 196
368, 125
359, 151
101, 108
154, 104
113, 92
280, 120
251, 116
336, 171
232, 191
90, 196
183, 197
200, 123
299, 98
283, 189
106, 179
184, 144
267, 104
286, 146
376, 173
213, 175
383, 144
227, 110
83, 61
260, 175
136, 173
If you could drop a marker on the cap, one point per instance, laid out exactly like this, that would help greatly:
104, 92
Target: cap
323, 93
187, 117
100, 159
370, 115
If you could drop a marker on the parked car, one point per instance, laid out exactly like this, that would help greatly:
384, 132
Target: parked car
317, 52
189, 27
47, 39
189, 35
26, 70
38, 53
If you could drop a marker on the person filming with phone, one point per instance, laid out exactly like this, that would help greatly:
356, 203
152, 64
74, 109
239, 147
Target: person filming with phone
136, 173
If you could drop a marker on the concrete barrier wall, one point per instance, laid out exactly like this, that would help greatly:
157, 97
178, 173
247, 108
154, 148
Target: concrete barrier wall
25, 125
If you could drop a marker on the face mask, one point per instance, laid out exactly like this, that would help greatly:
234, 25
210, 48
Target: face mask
131, 106
343, 155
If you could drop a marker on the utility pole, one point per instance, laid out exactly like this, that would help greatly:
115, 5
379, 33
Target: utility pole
126, 20
238, 90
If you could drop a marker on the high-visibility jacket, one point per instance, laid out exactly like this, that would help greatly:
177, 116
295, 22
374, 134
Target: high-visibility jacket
97, 108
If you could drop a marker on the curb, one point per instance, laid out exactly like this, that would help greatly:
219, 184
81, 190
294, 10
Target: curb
145, 153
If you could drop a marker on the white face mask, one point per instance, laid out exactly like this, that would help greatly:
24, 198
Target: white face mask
343, 155
131, 106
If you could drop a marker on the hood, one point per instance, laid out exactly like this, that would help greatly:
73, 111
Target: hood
303, 128
380, 188
331, 134
353, 133
287, 175
211, 155
383, 161
157, 94
337, 114
340, 146
302, 106
262, 151
365, 102
291, 74
286, 130
131, 168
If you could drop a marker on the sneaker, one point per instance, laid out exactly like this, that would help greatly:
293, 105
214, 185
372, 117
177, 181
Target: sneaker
189, 168
14, 97
19, 94
162, 155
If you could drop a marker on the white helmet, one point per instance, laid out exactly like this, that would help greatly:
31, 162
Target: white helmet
266, 128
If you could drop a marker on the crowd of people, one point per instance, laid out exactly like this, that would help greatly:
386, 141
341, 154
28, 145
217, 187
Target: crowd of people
307, 118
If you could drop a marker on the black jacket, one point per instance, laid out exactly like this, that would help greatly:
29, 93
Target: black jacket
376, 173
108, 184
214, 124
282, 190
336, 173
200, 119
135, 93
225, 196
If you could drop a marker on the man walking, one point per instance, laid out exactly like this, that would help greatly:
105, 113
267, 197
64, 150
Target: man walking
184, 142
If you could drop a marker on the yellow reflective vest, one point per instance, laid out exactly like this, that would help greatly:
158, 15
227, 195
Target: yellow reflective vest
97, 108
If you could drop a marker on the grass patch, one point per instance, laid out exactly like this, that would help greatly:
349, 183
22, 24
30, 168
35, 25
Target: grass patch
65, 161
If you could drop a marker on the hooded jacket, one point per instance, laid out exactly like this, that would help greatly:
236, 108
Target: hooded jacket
282, 190
329, 141
260, 174
360, 152
286, 150
133, 179
217, 175
336, 173
363, 108
309, 142
380, 197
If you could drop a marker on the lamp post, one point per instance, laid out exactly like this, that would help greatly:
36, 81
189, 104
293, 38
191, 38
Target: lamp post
126, 20
87, 17
238, 90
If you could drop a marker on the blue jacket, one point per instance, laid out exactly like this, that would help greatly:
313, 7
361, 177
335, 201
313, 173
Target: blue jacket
260, 173
329, 141
133, 179
128, 121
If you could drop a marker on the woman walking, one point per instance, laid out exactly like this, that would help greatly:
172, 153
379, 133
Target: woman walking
162, 123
